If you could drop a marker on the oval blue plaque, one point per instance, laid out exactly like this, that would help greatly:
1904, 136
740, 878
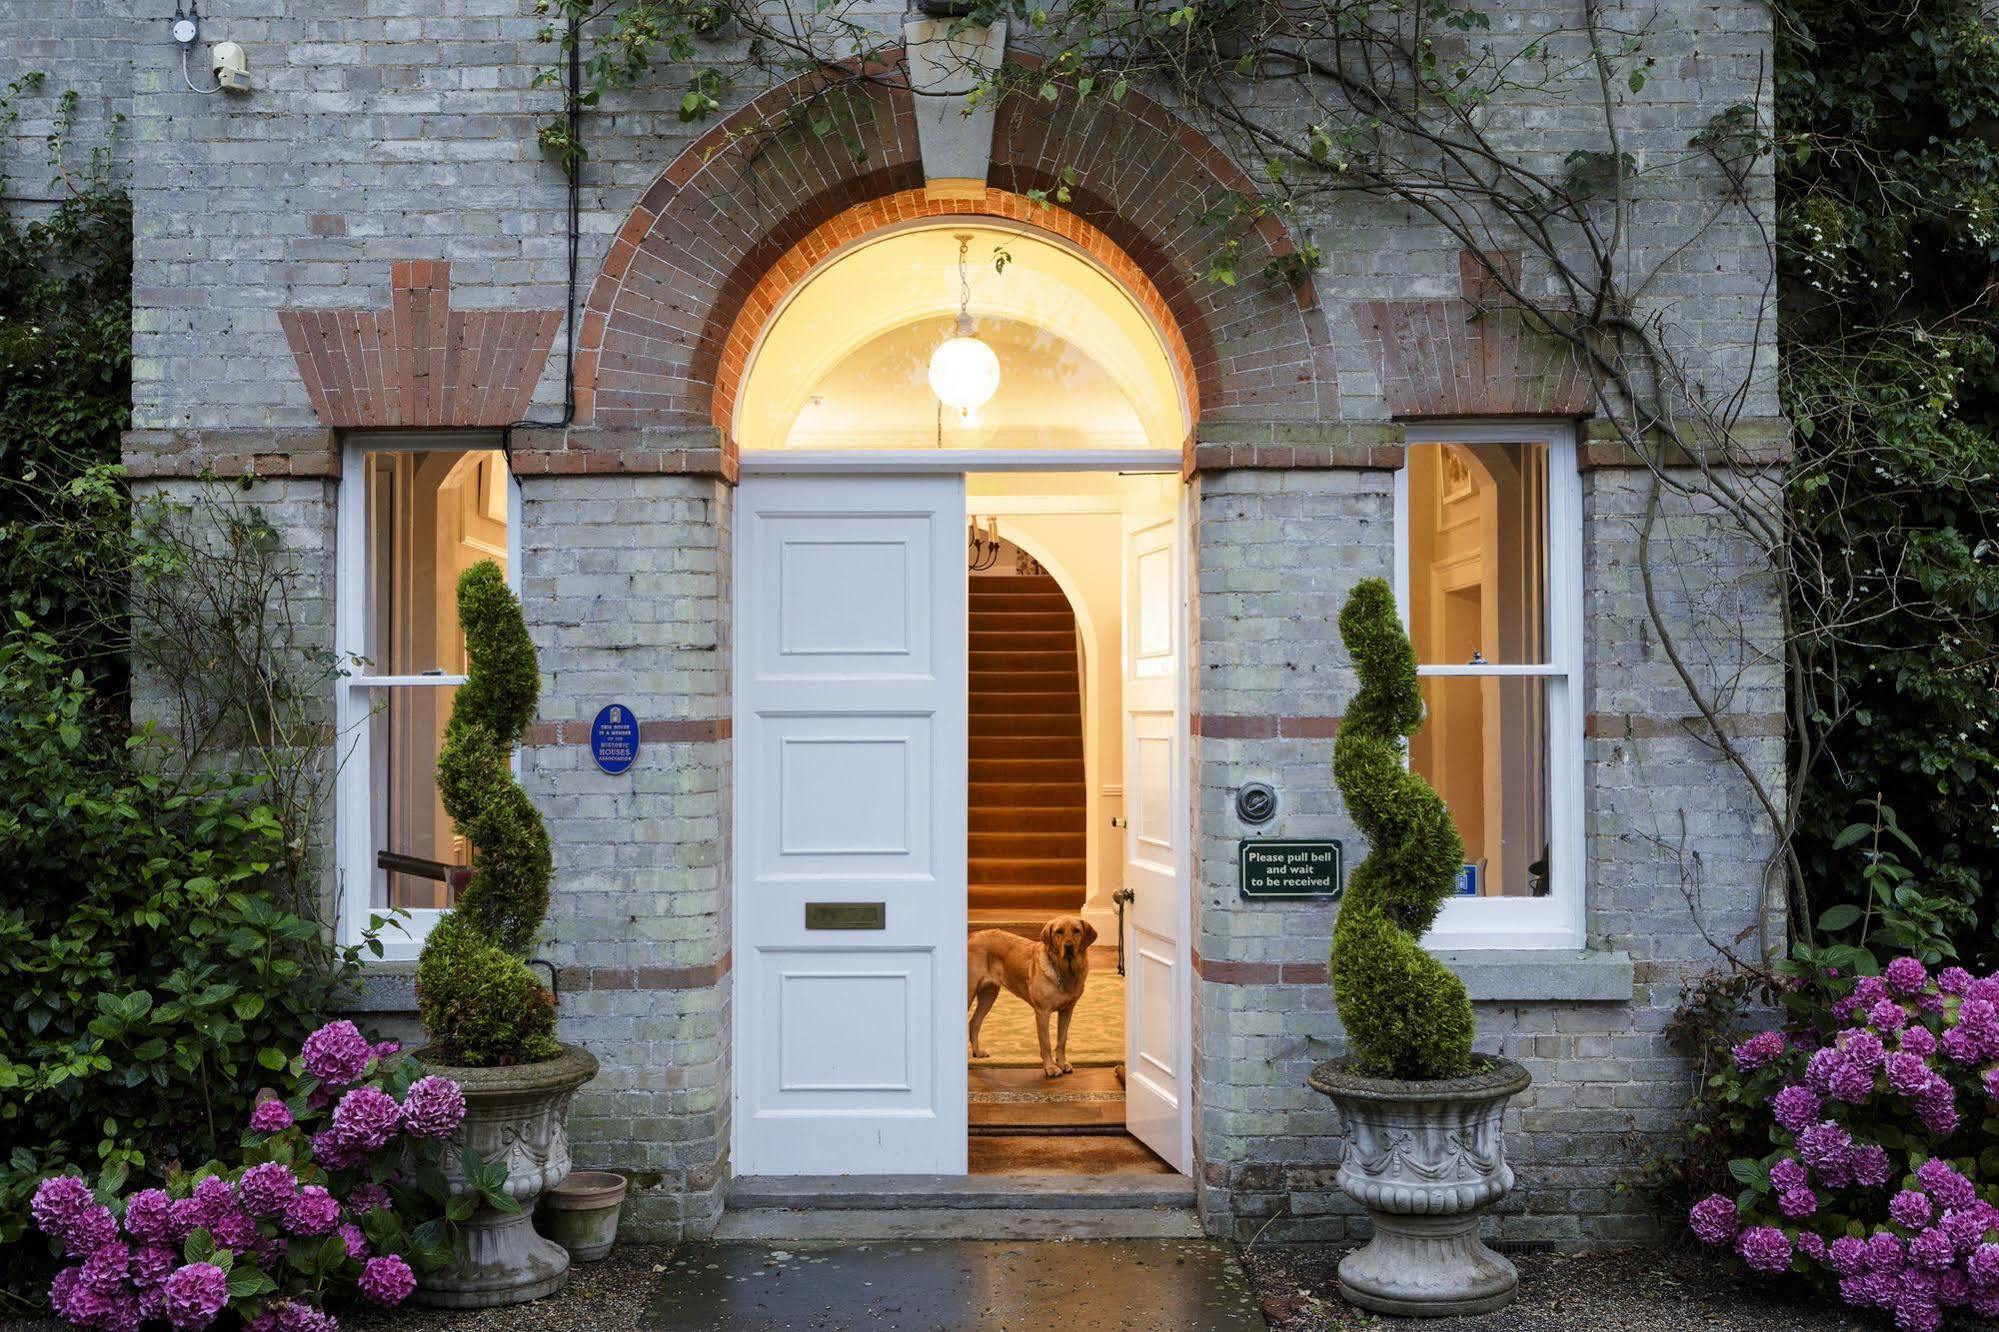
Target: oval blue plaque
614, 738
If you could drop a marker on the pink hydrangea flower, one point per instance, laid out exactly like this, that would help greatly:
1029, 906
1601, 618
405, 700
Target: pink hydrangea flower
1983, 1265
1812, 1245
1714, 1219
1848, 1255
1764, 1248
1906, 975
357, 1243
366, 1118
337, 1053
1824, 1144
1797, 1203
1862, 1048
1870, 1166
332, 1149
1795, 1106
195, 1294
1944, 1184
152, 1264
62, 1292
386, 1280
1885, 1253
148, 1215
1907, 1074
1759, 1050
1887, 1015
104, 1271
65, 1210
271, 1116
1953, 980
1789, 1173
1932, 1249
1852, 1083
268, 1188
433, 1108
1910, 1209
1870, 990
384, 1051
312, 1212
1918, 1041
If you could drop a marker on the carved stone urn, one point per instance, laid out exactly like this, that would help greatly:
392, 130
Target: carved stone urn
1425, 1158
513, 1114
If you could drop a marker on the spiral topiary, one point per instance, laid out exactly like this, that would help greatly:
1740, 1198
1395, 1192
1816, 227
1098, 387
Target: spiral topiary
480, 1002
1406, 1015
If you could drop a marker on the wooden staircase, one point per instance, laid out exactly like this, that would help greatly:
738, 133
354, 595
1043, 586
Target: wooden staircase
1027, 804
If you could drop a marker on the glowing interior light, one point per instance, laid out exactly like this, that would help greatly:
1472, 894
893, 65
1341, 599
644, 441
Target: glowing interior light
964, 373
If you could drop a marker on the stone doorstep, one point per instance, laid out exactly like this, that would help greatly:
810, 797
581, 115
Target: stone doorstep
967, 1207
1001, 1193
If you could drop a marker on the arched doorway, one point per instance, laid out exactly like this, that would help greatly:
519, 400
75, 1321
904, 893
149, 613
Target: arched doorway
897, 713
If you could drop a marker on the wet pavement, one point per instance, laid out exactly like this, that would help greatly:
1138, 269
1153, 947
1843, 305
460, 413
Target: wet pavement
1004, 1286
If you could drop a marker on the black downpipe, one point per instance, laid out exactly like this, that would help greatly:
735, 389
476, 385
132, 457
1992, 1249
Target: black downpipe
573, 98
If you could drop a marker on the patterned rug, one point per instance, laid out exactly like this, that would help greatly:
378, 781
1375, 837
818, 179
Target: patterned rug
1096, 1032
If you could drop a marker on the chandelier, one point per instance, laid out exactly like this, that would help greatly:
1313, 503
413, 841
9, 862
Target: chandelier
964, 372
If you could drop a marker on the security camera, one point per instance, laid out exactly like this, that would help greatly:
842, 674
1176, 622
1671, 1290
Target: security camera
232, 67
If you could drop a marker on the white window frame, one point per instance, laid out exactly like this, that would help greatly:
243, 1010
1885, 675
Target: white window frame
354, 794
1557, 920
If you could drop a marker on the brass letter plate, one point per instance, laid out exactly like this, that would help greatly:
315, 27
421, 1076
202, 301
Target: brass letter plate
846, 915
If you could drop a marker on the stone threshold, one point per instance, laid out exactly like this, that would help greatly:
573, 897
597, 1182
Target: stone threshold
958, 1207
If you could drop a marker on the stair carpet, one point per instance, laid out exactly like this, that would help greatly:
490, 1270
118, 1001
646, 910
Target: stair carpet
1027, 802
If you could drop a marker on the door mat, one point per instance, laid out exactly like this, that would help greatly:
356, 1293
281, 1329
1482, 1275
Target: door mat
1096, 1032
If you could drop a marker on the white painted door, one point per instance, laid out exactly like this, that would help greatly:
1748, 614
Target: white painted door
850, 794
1158, 1041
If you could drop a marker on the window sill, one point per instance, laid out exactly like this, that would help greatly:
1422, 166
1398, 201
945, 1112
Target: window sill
1542, 976
382, 987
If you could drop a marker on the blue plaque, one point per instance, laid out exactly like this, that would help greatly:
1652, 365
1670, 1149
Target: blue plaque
1468, 881
614, 738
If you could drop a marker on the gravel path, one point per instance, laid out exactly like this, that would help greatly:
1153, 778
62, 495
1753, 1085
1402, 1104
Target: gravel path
1640, 1290
1632, 1290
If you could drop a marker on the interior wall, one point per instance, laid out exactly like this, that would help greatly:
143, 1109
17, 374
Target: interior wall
1078, 536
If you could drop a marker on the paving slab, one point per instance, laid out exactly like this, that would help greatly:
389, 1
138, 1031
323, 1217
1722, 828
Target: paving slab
1192, 1285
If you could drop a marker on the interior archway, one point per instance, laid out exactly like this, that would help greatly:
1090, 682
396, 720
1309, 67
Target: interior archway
842, 363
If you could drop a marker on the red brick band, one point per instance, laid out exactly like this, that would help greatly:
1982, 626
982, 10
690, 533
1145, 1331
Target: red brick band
668, 730
1260, 973
643, 978
1226, 727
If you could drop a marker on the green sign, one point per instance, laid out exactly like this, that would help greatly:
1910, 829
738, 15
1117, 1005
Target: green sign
1289, 869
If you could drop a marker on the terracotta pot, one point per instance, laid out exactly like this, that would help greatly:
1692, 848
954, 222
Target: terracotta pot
1425, 1158
581, 1213
514, 1114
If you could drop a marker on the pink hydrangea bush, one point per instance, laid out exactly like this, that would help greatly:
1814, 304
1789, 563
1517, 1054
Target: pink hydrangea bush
337, 1197
1882, 1096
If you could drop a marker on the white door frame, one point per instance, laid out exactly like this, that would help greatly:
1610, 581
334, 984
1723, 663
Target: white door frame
893, 463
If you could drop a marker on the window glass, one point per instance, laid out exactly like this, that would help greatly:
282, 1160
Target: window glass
1478, 553
431, 514
1484, 746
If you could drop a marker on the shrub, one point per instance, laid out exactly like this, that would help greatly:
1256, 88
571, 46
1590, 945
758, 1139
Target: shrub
480, 1002
1877, 1096
349, 1210
152, 981
1406, 1016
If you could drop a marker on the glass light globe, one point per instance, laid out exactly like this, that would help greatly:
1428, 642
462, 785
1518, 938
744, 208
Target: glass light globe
964, 373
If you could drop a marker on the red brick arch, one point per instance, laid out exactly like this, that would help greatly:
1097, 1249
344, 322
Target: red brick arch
720, 234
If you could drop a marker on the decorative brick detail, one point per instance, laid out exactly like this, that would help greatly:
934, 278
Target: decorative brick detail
913, 205
683, 290
419, 363
1260, 973
156, 454
1472, 355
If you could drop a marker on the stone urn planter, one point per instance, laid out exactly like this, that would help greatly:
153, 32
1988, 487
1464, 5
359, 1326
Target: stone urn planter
581, 1213
514, 1114
1425, 1158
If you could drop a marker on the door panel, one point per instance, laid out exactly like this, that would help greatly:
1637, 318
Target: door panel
850, 789
1158, 1042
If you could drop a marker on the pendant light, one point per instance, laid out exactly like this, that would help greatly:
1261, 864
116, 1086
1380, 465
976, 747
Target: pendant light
964, 372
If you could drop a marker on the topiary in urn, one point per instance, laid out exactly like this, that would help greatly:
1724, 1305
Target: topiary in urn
1425, 1149
488, 1019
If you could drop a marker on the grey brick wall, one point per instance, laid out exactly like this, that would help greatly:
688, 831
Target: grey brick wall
639, 913
80, 46
388, 129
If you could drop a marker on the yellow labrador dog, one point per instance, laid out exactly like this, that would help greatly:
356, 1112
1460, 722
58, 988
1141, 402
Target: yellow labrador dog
1048, 973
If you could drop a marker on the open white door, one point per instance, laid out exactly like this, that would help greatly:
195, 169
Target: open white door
850, 826
1158, 1041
